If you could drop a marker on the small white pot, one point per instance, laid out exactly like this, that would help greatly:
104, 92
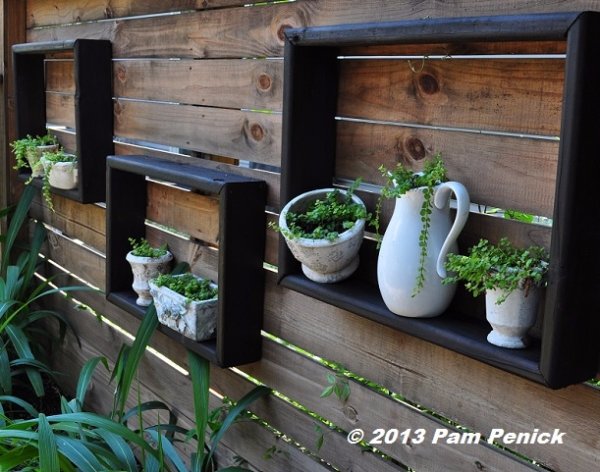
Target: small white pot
322, 260
63, 175
144, 269
195, 320
34, 155
512, 318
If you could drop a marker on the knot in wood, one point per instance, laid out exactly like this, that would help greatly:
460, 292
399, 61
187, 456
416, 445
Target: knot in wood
415, 148
264, 81
257, 132
281, 31
428, 84
121, 73
350, 413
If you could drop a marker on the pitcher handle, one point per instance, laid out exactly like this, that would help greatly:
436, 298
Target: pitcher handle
440, 200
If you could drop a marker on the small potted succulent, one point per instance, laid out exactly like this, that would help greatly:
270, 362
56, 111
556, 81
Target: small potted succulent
324, 229
512, 280
29, 150
60, 171
147, 263
187, 304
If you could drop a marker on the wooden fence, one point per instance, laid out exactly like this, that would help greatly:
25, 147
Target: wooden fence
496, 122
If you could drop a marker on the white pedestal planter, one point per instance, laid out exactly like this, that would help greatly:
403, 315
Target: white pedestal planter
196, 320
322, 260
512, 318
145, 269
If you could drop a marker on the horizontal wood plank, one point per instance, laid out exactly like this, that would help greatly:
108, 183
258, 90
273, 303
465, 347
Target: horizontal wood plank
75, 220
44, 13
435, 378
60, 76
244, 135
257, 32
60, 109
369, 410
519, 96
498, 171
241, 84
191, 213
271, 178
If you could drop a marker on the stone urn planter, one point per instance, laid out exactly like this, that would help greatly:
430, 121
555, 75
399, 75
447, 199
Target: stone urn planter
149, 264
34, 156
512, 280
512, 318
328, 256
29, 150
194, 319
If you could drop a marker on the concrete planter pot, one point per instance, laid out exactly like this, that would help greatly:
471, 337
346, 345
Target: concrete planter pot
196, 320
34, 155
322, 260
512, 318
144, 269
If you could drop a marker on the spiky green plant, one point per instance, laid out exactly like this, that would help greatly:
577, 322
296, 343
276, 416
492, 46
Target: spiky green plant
20, 292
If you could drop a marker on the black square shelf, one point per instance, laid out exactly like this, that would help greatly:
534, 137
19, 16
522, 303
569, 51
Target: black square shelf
568, 350
93, 107
242, 224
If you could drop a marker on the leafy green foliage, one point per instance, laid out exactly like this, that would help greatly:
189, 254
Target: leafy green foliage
398, 182
20, 289
338, 385
501, 266
518, 216
193, 288
21, 147
79, 440
142, 248
326, 218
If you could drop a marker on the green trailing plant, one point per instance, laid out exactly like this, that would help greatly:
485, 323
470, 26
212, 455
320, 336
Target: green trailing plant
50, 159
21, 147
142, 248
502, 266
401, 180
189, 286
326, 218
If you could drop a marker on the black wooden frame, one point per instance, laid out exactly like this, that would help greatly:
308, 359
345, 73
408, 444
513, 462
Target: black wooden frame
93, 107
569, 350
242, 223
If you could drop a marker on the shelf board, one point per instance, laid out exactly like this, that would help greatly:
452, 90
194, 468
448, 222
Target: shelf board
126, 300
463, 334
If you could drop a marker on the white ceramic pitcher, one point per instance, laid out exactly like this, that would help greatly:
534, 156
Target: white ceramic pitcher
398, 262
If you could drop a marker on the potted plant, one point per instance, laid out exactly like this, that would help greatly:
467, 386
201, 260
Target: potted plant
60, 171
187, 304
147, 263
324, 229
29, 150
420, 234
511, 279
